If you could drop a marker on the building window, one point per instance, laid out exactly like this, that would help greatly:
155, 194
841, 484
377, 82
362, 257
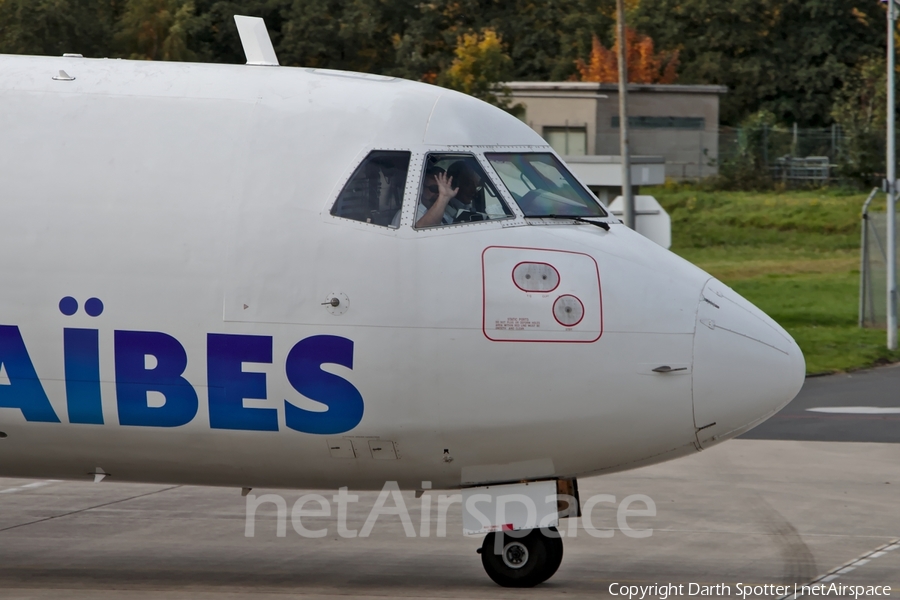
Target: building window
567, 141
662, 122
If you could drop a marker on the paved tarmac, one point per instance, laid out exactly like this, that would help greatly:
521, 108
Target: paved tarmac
874, 388
761, 512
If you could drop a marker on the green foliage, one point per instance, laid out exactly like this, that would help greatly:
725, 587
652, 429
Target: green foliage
357, 35
214, 37
479, 64
794, 254
806, 61
156, 29
746, 169
54, 27
860, 109
788, 57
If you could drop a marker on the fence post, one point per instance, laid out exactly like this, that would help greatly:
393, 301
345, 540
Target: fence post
834, 142
863, 266
700, 155
864, 280
795, 141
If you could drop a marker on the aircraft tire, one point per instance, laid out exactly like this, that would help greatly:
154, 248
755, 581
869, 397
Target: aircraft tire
525, 561
554, 553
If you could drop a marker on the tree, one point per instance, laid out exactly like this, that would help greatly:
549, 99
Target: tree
54, 27
310, 34
785, 56
644, 64
479, 68
543, 38
792, 58
356, 35
427, 46
860, 109
746, 169
156, 29
214, 36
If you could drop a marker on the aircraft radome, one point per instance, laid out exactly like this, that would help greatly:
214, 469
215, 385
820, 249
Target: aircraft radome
214, 275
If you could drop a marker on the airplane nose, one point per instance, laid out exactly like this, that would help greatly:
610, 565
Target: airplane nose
746, 367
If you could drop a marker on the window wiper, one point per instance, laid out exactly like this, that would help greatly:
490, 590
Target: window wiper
601, 224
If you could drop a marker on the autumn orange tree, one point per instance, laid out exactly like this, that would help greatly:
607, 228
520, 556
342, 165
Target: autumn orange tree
645, 65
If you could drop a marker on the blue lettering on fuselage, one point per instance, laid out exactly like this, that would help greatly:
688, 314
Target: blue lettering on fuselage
81, 353
229, 384
134, 380
24, 390
344, 402
152, 361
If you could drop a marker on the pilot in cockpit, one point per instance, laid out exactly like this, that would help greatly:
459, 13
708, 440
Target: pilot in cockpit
433, 208
469, 183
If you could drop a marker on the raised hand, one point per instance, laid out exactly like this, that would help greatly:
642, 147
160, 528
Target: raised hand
445, 186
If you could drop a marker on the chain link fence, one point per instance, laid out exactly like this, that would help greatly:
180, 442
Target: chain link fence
759, 155
799, 156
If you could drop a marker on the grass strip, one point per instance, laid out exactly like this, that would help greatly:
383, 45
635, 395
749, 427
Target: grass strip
795, 254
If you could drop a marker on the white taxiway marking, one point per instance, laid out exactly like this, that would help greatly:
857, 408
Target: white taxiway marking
850, 566
857, 410
28, 486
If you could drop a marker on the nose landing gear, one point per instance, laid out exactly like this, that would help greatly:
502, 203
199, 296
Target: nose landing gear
523, 558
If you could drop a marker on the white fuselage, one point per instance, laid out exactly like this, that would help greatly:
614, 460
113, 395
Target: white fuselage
194, 202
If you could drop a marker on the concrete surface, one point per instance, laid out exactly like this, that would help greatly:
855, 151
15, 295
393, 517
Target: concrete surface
749, 511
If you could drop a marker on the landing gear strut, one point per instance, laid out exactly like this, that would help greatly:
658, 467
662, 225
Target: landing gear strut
525, 558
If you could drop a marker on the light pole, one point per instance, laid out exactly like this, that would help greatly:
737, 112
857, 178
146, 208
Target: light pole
891, 187
627, 195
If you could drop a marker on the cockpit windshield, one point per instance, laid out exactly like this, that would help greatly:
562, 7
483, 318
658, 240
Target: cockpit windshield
542, 186
455, 189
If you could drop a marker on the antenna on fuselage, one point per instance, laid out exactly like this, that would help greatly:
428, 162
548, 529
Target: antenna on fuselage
256, 41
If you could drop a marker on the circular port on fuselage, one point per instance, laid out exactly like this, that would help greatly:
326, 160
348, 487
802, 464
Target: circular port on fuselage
568, 310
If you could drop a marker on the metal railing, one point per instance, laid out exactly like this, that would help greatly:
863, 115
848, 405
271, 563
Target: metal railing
815, 170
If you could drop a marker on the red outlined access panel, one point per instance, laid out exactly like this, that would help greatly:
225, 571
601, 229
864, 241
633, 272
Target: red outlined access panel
572, 311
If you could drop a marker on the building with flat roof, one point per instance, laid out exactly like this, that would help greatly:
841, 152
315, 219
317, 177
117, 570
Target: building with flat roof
677, 122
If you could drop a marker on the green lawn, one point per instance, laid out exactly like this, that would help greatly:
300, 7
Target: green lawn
793, 254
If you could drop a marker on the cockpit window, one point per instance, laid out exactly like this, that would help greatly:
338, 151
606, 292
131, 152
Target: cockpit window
455, 189
374, 193
542, 186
